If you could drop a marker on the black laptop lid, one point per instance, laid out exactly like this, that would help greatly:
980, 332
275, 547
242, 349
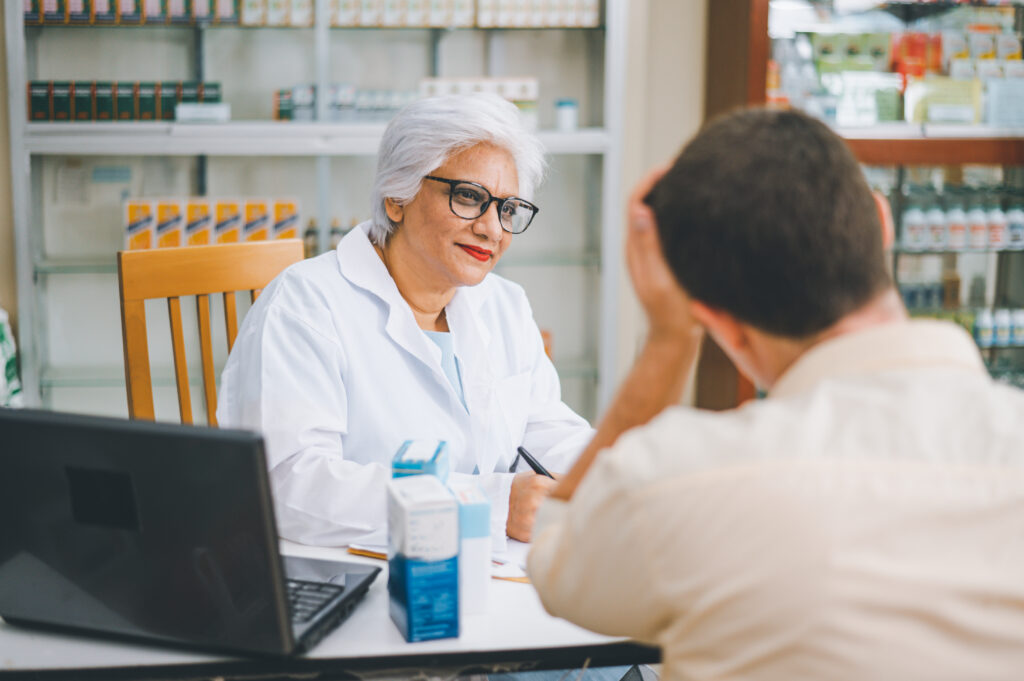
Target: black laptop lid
140, 529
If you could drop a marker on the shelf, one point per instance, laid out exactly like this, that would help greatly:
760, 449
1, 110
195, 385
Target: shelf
209, 25
931, 144
85, 265
247, 139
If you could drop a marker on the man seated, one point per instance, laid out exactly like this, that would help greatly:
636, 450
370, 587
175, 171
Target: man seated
866, 519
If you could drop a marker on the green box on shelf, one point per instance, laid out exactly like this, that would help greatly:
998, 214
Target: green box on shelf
129, 11
39, 101
889, 104
124, 101
107, 16
179, 12
154, 11
170, 95
210, 92
284, 109
145, 102
225, 12
82, 100
33, 15
55, 12
103, 100
83, 15
60, 96
189, 92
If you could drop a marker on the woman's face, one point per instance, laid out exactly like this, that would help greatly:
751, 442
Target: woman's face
446, 249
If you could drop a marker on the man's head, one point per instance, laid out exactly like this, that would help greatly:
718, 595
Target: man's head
766, 218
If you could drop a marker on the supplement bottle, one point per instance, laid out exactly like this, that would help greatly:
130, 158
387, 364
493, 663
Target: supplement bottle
1015, 223
983, 329
914, 226
977, 225
1003, 328
956, 224
938, 230
997, 224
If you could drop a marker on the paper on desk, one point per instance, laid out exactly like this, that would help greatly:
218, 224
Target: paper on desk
509, 564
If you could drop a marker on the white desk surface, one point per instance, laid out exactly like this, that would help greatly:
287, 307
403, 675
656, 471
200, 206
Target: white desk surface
516, 621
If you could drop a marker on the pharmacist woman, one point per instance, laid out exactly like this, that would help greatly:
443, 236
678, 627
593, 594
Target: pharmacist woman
403, 332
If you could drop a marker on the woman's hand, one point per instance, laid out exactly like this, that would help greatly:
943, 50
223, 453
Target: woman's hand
528, 491
666, 304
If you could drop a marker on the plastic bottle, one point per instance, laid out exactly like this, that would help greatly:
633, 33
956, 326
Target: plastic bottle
977, 225
310, 239
1015, 223
983, 329
1017, 334
1003, 328
938, 230
997, 224
914, 226
956, 224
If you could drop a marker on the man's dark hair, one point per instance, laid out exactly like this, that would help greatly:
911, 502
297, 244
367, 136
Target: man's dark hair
766, 215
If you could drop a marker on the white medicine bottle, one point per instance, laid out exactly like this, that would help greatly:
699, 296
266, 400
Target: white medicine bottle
956, 224
983, 329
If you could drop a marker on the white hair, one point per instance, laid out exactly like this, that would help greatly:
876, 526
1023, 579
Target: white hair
426, 133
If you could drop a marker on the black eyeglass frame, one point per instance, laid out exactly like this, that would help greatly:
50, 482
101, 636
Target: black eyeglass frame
486, 204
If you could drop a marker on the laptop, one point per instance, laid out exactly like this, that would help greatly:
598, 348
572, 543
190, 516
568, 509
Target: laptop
157, 531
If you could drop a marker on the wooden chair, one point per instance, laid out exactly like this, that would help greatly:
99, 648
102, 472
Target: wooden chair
192, 271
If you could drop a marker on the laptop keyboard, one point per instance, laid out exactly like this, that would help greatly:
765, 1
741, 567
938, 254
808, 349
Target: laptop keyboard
306, 599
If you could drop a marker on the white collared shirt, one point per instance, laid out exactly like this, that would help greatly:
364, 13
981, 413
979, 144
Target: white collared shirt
331, 367
866, 521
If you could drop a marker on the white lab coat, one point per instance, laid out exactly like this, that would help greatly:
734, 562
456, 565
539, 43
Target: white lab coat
331, 367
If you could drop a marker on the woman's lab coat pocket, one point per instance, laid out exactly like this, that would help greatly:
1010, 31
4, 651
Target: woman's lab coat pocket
513, 395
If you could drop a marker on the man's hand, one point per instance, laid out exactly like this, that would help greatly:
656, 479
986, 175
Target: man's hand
664, 301
528, 491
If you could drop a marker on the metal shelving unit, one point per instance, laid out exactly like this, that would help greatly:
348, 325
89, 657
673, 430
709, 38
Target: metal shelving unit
32, 143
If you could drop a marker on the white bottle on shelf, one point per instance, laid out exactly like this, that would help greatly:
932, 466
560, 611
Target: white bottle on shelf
956, 225
983, 328
1017, 333
1003, 328
977, 226
914, 227
1015, 224
997, 225
938, 229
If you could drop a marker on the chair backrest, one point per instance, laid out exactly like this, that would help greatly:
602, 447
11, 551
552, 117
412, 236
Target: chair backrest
190, 271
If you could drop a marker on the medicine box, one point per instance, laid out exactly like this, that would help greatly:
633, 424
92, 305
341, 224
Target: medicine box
227, 221
39, 101
138, 225
81, 100
54, 11
225, 12
168, 97
78, 12
421, 457
103, 101
60, 97
129, 11
201, 10
104, 12
474, 546
124, 101
146, 101
32, 12
178, 12
154, 11
286, 219
423, 563
256, 226
198, 222
170, 223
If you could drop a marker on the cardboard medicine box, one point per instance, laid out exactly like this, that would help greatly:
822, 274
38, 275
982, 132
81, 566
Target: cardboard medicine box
104, 12
474, 546
146, 101
54, 11
423, 558
82, 100
225, 12
103, 101
179, 11
198, 222
421, 457
129, 11
170, 223
154, 11
79, 11
124, 101
209, 92
39, 101
33, 15
167, 98
60, 100
286, 219
227, 221
138, 225
256, 226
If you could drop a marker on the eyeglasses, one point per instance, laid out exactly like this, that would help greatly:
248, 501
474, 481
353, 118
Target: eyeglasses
469, 200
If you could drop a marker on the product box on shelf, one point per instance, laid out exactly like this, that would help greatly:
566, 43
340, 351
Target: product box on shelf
54, 11
170, 223
227, 222
463, 13
33, 13
39, 101
169, 95
200, 11
104, 12
253, 12
189, 92
60, 98
146, 102
286, 219
415, 13
256, 225
82, 100
124, 101
79, 12
179, 12
226, 12
138, 225
129, 12
154, 11
392, 13
343, 12
209, 93
198, 222
103, 101
278, 12
301, 13
283, 107
369, 12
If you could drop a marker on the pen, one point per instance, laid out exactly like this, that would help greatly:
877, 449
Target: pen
534, 464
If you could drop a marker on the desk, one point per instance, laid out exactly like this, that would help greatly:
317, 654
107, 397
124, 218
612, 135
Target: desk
515, 633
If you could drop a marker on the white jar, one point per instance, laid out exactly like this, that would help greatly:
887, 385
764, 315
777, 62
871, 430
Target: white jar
567, 115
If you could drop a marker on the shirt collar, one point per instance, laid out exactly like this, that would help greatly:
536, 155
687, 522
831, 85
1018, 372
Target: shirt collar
885, 347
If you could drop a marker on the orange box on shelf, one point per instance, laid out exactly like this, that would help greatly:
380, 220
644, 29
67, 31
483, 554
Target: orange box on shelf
227, 225
286, 219
169, 223
198, 222
138, 225
257, 220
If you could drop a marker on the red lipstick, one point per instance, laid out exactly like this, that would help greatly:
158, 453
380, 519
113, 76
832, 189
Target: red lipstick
481, 254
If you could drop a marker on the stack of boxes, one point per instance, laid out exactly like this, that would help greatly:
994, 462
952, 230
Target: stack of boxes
85, 100
198, 221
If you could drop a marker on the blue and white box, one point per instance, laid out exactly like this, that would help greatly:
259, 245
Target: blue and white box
423, 563
421, 457
474, 546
